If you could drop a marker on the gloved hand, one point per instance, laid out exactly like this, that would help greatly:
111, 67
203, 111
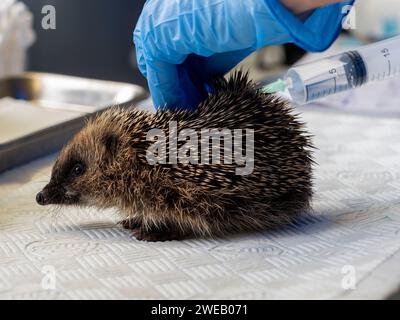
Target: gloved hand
182, 44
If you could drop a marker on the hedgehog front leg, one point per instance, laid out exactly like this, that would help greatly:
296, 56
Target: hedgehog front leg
157, 234
147, 235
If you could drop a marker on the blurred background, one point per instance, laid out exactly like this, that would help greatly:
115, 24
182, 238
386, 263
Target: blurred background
93, 38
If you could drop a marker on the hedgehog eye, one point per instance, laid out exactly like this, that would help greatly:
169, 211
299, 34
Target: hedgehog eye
77, 170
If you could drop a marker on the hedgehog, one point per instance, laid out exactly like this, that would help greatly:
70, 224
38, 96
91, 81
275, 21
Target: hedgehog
107, 164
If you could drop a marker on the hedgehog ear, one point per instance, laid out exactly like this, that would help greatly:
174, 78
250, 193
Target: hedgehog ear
110, 142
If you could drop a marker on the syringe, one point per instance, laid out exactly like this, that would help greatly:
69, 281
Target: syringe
348, 70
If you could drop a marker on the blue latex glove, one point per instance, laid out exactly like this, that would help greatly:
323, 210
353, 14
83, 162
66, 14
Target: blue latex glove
182, 44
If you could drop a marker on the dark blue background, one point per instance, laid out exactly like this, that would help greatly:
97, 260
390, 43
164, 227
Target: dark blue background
93, 39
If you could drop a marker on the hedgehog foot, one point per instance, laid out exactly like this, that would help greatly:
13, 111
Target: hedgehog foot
156, 235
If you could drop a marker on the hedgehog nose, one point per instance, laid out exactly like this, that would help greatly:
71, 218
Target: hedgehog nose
40, 198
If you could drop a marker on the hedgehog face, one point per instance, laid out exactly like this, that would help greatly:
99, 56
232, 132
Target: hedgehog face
62, 186
78, 173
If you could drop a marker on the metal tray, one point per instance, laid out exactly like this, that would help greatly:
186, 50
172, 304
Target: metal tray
58, 92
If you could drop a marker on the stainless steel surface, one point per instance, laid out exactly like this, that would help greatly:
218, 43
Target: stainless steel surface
84, 96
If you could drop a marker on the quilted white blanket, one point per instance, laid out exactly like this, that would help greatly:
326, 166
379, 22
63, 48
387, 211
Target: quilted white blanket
350, 248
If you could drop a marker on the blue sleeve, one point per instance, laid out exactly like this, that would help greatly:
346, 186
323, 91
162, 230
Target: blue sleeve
318, 31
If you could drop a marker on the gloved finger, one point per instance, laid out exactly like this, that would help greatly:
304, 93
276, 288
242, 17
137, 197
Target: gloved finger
221, 63
168, 83
186, 85
141, 62
171, 87
200, 71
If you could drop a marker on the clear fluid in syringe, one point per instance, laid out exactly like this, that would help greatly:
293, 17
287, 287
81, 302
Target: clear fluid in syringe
348, 70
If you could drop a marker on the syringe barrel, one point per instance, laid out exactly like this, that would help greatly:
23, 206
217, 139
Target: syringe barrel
314, 80
382, 59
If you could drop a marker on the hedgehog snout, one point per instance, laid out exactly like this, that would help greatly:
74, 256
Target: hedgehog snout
41, 198
46, 196
52, 194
